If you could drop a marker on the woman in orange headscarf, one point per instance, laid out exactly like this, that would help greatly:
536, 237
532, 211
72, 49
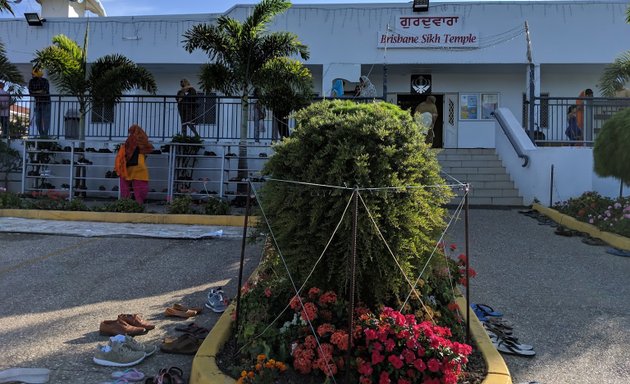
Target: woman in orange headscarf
131, 167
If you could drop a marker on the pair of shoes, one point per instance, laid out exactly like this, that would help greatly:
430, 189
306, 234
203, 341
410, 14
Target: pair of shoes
180, 310
562, 231
121, 326
593, 241
209, 153
128, 375
136, 320
185, 344
216, 302
193, 330
172, 375
25, 375
122, 351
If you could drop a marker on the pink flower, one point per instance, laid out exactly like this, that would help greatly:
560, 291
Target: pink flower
267, 292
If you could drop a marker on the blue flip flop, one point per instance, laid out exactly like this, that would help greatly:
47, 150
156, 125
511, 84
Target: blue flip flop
485, 310
618, 252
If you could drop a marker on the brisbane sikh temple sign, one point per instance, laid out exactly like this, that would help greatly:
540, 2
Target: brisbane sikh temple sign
428, 32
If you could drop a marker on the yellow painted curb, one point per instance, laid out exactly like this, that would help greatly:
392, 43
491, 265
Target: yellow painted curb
139, 218
205, 370
204, 367
498, 372
617, 241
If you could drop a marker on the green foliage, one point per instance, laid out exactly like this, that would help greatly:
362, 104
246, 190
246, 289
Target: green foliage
374, 145
76, 205
216, 207
9, 72
181, 205
122, 205
616, 74
611, 154
10, 200
10, 159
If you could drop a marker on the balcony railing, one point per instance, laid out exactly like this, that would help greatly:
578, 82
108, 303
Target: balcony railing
552, 119
215, 118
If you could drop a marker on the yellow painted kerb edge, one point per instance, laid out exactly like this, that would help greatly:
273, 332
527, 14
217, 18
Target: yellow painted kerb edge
138, 218
205, 370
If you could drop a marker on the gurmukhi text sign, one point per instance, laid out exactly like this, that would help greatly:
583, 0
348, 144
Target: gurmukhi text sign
428, 32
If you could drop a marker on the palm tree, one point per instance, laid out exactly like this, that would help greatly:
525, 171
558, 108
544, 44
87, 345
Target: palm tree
284, 85
239, 51
617, 73
4, 6
102, 83
8, 71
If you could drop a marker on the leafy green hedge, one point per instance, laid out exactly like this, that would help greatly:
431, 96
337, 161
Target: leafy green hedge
373, 145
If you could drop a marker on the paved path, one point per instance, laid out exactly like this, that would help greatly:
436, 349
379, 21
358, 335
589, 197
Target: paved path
55, 290
568, 299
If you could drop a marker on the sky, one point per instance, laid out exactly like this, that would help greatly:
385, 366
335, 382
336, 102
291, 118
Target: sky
169, 7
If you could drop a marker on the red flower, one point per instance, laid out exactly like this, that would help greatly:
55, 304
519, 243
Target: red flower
403, 381
328, 298
395, 361
309, 312
267, 292
370, 334
365, 380
452, 306
313, 293
340, 339
462, 259
384, 378
325, 329
433, 364
310, 342
389, 345
453, 247
295, 303
377, 357
365, 369
419, 365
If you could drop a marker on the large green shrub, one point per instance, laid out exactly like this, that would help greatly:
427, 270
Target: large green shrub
375, 145
611, 152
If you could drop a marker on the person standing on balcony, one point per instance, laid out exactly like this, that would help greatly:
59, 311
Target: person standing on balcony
5, 105
130, 165
187, 106
259, 119
367, 88
39, 88
580, 108
573, 132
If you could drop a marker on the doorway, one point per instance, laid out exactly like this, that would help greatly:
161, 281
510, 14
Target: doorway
410, 102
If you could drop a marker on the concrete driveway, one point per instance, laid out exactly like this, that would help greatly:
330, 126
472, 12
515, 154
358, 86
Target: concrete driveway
568, 299
57, 289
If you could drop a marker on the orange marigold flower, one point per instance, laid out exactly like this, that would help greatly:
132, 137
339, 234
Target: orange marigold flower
260, 358
258, 366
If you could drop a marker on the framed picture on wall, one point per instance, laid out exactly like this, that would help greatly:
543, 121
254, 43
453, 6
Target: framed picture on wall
468, 106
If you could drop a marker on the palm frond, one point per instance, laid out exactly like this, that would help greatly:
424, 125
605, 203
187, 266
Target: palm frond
280, 44
4, 6
218, 77
9, 72
284, 84
615, 75
112, 75
262, 14
65, 69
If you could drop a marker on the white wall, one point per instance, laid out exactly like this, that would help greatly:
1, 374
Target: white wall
572, 169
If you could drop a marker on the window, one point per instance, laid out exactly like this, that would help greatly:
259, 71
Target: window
207, 108
477, 106
102, 113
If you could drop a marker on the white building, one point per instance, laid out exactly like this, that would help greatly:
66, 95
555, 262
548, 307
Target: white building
474, 56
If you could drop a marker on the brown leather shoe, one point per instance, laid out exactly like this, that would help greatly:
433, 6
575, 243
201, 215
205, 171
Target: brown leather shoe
136, 320
119, 327
170, 311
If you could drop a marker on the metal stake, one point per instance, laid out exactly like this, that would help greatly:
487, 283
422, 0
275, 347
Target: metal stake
240, 270
353, 261
467, 188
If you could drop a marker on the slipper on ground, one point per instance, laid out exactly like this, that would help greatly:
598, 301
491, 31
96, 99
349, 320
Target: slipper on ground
618, 252
593, 241
25, 375
486, 310
504, 347
130, 374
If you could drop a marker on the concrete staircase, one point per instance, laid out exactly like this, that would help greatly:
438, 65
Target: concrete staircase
489, 181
